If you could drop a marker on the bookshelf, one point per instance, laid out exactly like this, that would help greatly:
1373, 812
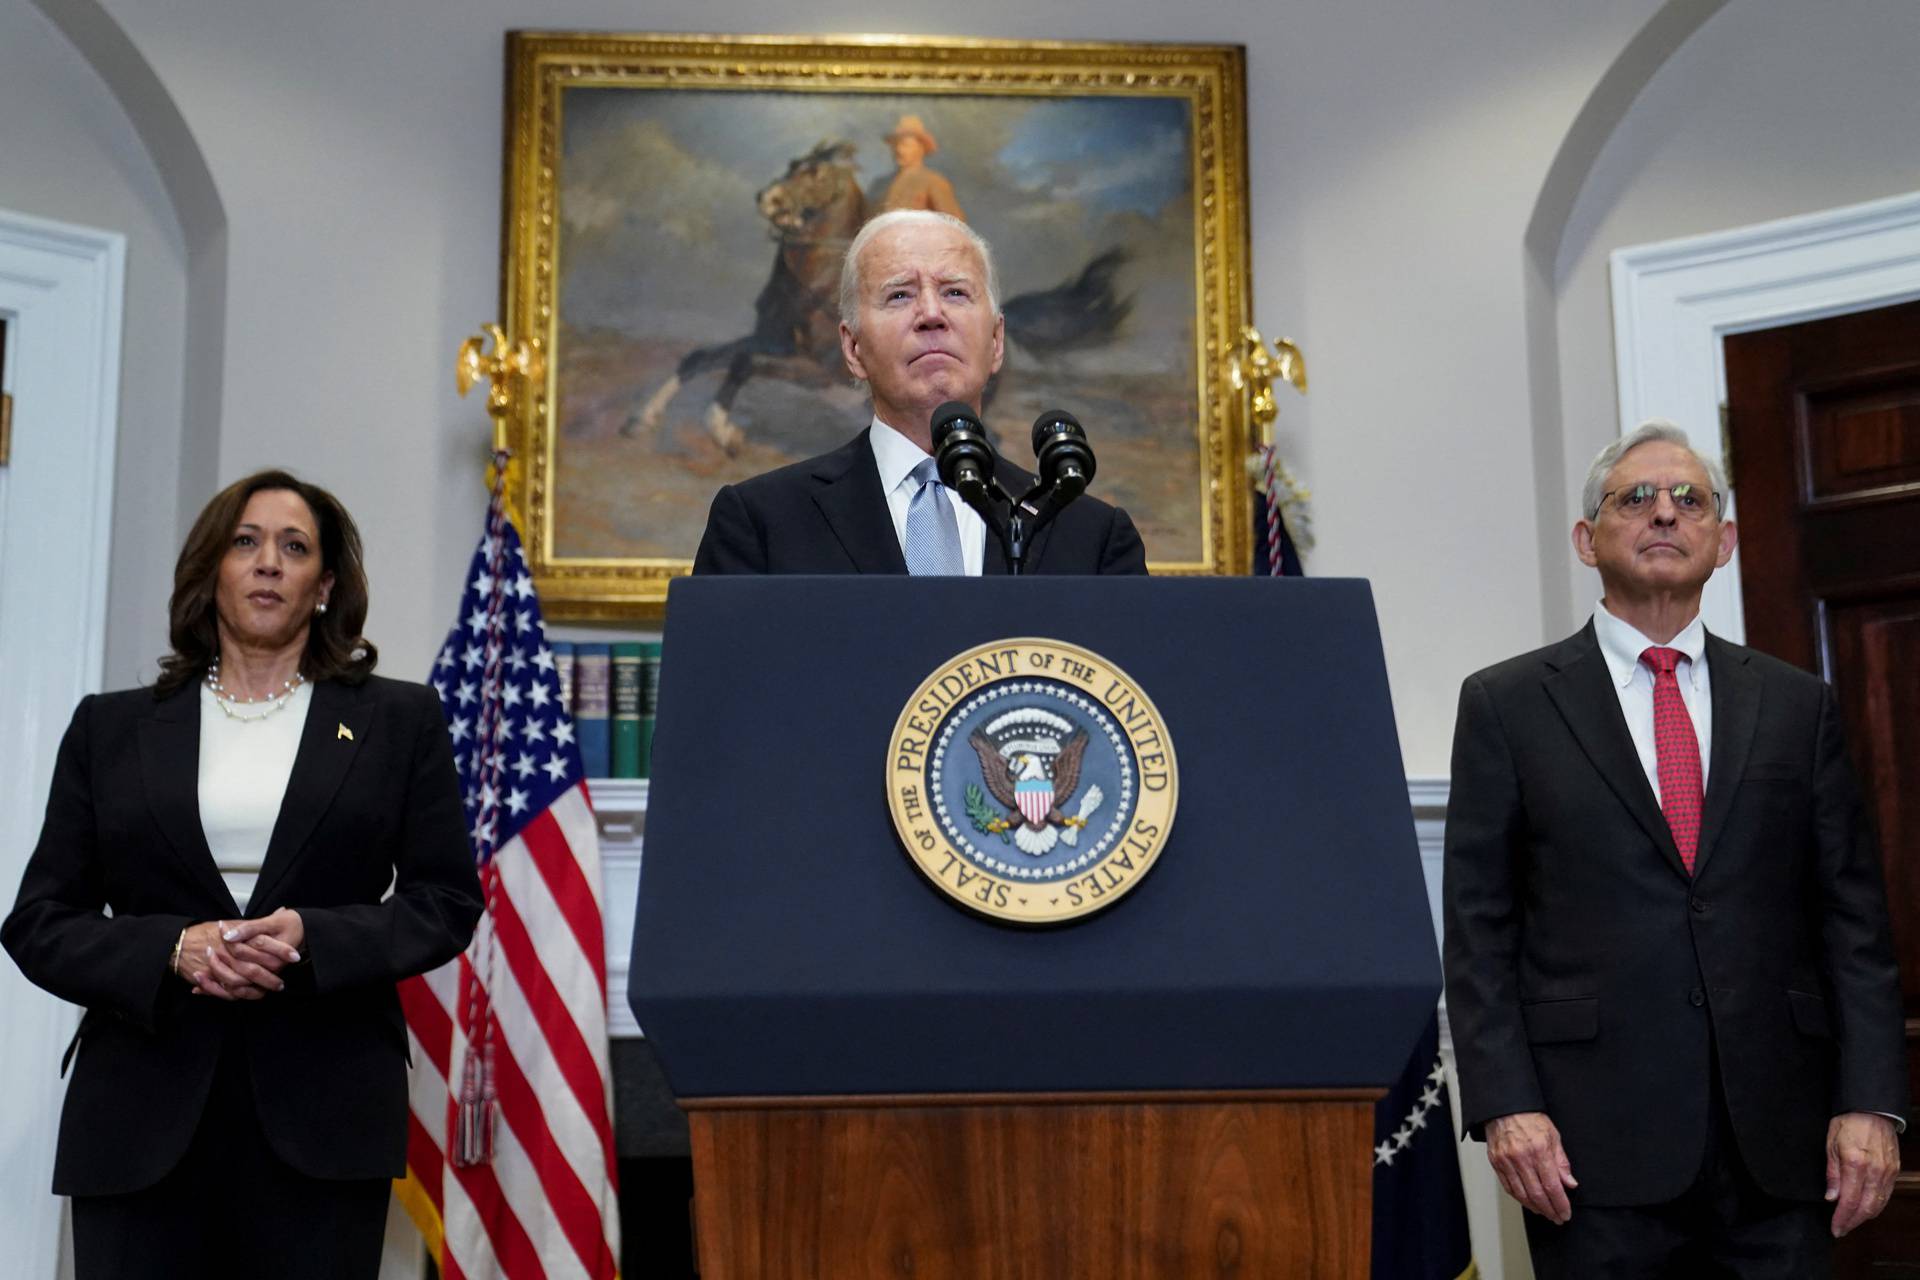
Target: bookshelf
620, 811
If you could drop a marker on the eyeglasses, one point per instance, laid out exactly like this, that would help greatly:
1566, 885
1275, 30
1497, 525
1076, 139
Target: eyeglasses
1690, 501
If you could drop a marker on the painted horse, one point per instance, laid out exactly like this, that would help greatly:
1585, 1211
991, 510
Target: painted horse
812, 213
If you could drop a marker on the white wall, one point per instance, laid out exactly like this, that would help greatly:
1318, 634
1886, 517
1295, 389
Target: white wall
1772, 110
68, 152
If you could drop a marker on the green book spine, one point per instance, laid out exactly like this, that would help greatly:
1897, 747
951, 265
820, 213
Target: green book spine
626, 711
649, 702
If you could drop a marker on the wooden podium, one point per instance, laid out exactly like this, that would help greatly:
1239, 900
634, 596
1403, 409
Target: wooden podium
1033, 1187
882, 1085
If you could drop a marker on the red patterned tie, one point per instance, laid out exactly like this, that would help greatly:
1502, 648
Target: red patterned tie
1677, 753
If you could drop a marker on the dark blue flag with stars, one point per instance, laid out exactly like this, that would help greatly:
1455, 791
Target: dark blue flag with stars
1419, 1211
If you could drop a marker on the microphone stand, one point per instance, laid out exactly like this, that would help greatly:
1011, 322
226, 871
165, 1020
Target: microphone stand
967, 465
1016, 539
1025, 520
1034, 511
1012, 532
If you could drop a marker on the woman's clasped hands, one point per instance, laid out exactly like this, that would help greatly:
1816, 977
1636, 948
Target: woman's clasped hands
240, 959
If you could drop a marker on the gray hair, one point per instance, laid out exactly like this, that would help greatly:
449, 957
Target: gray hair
1653, 429
850, 269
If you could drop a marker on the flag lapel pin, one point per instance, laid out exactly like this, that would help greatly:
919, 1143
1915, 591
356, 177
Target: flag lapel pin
343, 733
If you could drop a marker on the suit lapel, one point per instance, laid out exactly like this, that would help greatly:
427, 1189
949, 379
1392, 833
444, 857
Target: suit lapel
170, 775
994, 563
849, 496
322, 761
1582, 688
1736, 715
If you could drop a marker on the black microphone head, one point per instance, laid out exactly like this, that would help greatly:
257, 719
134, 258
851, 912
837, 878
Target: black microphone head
949, 415
1055, 422
1062, 454
963, 451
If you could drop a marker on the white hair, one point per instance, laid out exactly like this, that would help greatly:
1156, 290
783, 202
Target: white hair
1653, 429
850, 269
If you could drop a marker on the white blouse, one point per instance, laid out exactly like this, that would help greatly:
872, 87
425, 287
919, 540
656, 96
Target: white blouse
244, 769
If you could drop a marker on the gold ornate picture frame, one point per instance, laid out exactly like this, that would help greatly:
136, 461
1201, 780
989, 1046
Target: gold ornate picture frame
674, 205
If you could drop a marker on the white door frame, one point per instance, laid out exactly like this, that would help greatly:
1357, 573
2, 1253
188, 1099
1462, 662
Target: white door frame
61, 291
1673, 303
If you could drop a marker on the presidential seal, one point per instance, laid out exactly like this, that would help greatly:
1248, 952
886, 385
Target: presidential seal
1032, 780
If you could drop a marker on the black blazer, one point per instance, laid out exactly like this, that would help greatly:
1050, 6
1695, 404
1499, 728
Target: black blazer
1586, 972
829, 515
373, 799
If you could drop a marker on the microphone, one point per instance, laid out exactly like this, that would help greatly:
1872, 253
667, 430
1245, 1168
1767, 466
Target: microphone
964, 453
1064, 457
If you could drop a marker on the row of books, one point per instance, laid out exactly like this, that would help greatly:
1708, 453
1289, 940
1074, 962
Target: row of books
612, 690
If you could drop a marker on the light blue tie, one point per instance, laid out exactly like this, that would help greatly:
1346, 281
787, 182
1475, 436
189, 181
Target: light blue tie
933, 535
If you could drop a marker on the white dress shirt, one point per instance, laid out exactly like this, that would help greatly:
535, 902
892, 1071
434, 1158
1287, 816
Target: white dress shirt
897, 456
1622, 646
244, 769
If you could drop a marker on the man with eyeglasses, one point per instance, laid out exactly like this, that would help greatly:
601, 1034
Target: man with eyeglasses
1670, 978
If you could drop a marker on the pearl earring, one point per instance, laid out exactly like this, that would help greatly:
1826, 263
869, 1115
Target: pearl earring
321, 607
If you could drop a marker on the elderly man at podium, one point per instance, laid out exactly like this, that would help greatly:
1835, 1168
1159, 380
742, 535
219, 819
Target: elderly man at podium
920, 326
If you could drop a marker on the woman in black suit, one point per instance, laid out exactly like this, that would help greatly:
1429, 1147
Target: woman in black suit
212, 884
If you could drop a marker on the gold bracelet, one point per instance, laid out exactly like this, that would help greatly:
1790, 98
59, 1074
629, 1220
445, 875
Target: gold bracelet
173, 965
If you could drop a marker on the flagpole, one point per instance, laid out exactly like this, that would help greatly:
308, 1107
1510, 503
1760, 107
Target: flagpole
511, 1161
507, 368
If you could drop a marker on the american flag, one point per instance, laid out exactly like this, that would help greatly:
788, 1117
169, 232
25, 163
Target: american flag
510, 1153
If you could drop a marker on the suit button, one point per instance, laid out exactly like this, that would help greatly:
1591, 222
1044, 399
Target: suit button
1696, 997
1698, 906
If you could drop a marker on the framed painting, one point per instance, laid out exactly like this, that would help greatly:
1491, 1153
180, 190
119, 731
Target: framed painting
677, 212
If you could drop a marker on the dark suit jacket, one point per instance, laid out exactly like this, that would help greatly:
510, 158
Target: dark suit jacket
1586, 973
327, 1056
829, 515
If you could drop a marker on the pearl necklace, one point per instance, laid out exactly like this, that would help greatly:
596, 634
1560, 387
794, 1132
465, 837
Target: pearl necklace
225, 699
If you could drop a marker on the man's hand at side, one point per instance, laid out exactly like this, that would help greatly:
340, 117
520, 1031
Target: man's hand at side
1863, 1157
1525, 1151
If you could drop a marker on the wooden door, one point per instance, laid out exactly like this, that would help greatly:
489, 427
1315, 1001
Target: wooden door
1824, 434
